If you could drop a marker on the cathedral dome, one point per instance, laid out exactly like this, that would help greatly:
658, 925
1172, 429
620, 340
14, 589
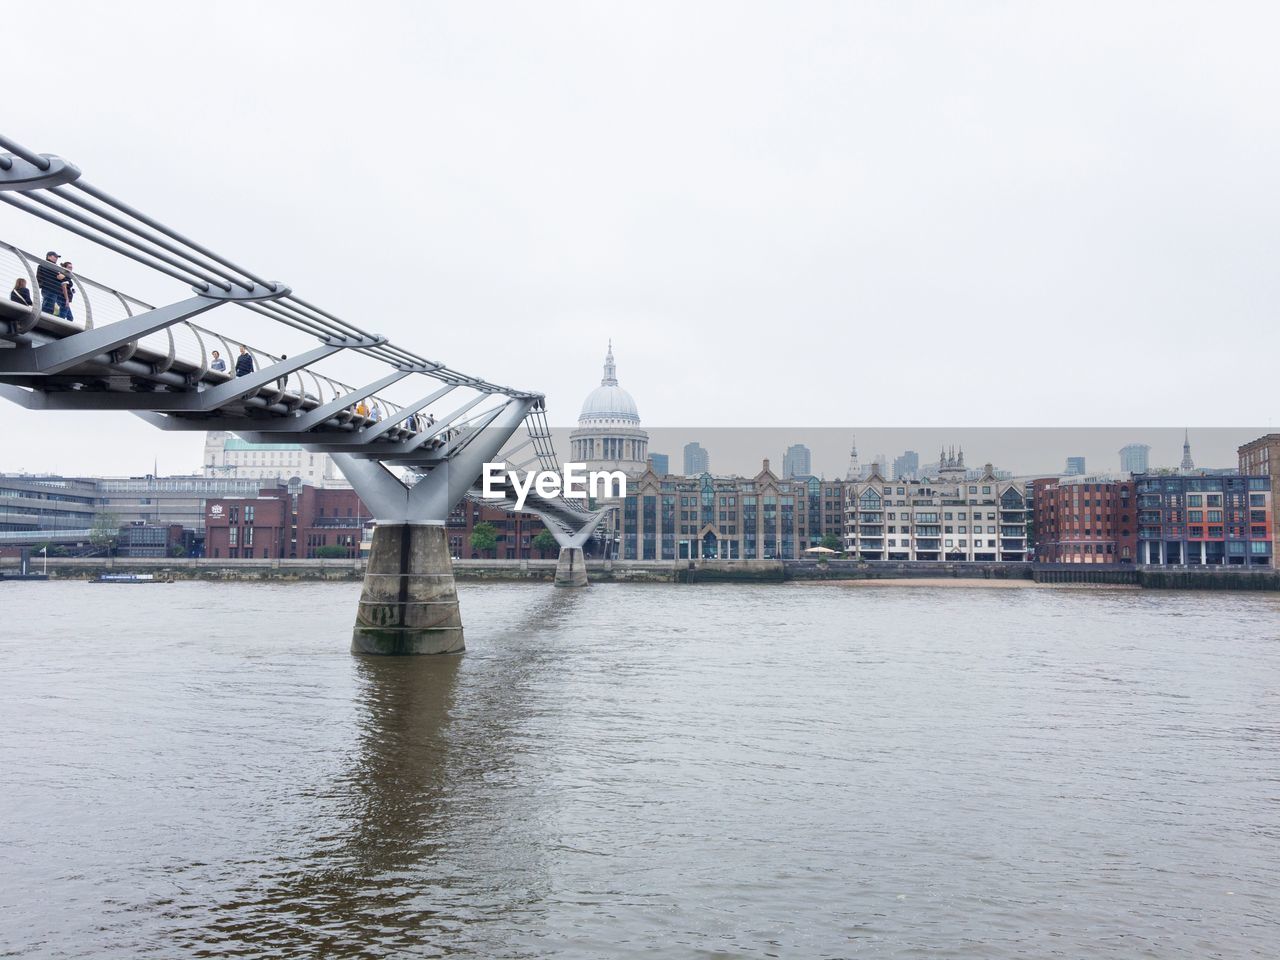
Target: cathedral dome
609, 402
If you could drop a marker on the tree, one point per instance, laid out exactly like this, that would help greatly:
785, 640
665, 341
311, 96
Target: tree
332, 552
484, 537
543, 542
832, 542
105, 532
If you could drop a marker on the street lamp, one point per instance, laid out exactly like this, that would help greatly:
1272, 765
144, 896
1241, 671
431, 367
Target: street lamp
45, 568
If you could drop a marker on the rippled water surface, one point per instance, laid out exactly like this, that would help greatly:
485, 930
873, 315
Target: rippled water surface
627, 771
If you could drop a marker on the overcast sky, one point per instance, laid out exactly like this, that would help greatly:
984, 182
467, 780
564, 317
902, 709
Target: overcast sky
786, 215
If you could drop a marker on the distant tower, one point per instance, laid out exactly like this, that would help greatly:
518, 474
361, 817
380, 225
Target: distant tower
950, 465
855, 469
1187, 464
1134, 458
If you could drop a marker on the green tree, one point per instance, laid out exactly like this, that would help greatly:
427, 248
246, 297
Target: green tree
832, 542
544, 542
484, 537
332, 552
105, 532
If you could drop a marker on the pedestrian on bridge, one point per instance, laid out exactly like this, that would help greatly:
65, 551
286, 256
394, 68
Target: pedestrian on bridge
218, 363
49, 279
375, 413
20, 293
66, 293
244, 362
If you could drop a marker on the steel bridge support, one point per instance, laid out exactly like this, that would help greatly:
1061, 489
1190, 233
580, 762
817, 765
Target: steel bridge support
409, 603
571, 566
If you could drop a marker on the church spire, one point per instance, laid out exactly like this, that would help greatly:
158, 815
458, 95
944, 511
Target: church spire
610, 378
1187, 463
855, 469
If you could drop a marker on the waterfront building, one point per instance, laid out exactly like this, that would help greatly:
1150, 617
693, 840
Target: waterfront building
36, 509
946, 518
696, 460
166, 501
609, 436
1085, 520
1134, 458
228, 457
1205, 520
1261, 458
764, 517
291, 521
660, 463
64, 510
796, 461
1075, 467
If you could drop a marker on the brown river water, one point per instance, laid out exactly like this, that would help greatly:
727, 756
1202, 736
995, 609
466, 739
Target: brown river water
203, 770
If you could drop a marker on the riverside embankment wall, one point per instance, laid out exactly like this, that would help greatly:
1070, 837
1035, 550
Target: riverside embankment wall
678, 571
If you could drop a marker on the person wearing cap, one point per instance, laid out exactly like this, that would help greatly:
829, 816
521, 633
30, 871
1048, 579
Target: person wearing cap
49, 279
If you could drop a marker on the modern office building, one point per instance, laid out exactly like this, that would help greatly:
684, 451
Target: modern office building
696, 460
1261, 458
36, 509
763, 517
1085, 520
1075, 467
660, 463
1205, 520
907, 466
609, 436
64, 510
796, 462
947, 518
1134, 458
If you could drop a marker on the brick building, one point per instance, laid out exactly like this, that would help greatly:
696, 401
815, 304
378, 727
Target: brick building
1261, 458
299, 521
290, 522
1085, 520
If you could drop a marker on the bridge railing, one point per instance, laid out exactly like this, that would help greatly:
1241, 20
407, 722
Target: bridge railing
185, 345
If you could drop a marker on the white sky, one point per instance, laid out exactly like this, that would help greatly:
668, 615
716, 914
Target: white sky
785, 215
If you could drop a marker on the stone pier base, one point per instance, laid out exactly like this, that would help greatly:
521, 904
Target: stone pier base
409, 603
571, 569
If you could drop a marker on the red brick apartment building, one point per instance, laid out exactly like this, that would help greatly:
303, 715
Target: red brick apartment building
1085, 520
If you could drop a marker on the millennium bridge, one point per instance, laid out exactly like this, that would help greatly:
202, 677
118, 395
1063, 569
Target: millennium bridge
409, 456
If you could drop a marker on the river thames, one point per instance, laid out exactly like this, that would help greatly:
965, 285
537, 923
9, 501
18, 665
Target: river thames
200, 769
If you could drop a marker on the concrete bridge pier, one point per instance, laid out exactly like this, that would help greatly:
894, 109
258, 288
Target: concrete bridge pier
571, 568
409, 603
